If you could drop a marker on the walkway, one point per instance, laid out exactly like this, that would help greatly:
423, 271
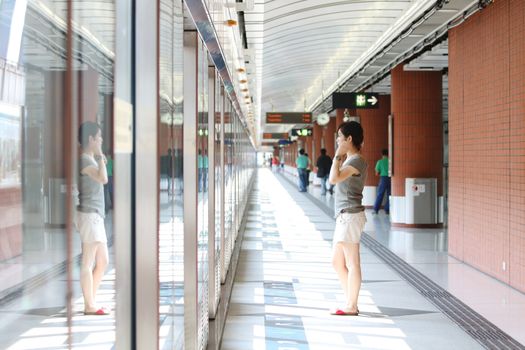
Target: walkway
285, 285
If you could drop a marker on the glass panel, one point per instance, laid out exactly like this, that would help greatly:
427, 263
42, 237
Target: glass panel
218, 181
202, 167
32, 177
92, 98
222, 172
171, 238
228, 183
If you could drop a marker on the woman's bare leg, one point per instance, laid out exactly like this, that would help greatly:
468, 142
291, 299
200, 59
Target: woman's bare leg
339, 264
101, 263
89, 251
353, 264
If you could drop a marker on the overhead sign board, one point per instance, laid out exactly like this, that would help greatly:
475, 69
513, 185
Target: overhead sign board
285, 142
301, 132
288, 118
355, 100
272, 135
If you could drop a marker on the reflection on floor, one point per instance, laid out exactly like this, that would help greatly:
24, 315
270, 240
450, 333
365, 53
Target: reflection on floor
285, 283
426, 250
38, 320
284, 287
33, 316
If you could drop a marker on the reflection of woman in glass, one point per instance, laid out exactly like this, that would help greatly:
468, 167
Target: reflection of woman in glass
90, 215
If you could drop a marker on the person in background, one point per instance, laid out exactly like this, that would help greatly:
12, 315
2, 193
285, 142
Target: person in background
200, 168
308, 171
348, 171
167, 164
205, 163
323, 164
108, 188
178, 171
384, 183
275, 163
90, 215
302, 164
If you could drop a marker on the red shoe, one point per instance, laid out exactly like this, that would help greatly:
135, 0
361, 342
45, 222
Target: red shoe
100, 312
342, 312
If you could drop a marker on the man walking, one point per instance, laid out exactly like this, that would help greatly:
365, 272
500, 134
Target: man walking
384, 183
323, 164
302, 164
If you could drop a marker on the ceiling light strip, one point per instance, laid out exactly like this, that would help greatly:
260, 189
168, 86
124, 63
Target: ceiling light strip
391, 36
201, 17
433, 39
322, 103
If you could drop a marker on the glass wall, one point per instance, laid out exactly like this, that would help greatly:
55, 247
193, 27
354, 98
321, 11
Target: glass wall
32, 225
69, 251
202, 186
229, 195
171, 151
91, 65
215, 138
56, 183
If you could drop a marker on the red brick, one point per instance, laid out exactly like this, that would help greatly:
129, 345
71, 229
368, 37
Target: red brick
487, 141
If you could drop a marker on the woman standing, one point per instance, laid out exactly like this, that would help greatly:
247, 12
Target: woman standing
90, 215
348, 171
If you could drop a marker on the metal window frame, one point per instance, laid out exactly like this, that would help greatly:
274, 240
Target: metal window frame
146, 203
190, 175
123, 169
212, 251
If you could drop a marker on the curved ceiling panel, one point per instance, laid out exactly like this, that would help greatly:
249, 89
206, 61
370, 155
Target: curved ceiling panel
309, 44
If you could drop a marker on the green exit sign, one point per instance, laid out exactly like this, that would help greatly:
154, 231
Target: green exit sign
355, 100
301, 132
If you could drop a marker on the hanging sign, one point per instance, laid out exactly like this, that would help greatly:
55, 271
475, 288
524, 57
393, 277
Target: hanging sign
355, 100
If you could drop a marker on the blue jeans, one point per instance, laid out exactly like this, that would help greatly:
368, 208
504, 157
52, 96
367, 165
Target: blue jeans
323, 185
384, 187
302, 179
203, 179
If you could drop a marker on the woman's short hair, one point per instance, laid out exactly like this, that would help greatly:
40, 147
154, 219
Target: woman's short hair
355, 130
86, 130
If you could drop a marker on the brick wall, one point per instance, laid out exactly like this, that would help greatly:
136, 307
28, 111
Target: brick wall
317, 135
417, 102
329, 137
487, 141
375, 126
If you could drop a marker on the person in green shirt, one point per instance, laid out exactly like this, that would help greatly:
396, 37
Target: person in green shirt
384, 183
302, 164
108, 188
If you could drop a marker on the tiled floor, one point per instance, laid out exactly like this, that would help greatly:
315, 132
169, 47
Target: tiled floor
285, 283
37, 320
426, 250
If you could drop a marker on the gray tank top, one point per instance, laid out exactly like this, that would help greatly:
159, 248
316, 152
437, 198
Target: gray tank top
349, 193
90, 192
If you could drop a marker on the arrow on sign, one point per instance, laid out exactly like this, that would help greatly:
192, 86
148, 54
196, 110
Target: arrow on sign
372, 100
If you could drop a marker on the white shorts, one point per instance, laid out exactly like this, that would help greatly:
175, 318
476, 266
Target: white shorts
91, 227
348, 227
